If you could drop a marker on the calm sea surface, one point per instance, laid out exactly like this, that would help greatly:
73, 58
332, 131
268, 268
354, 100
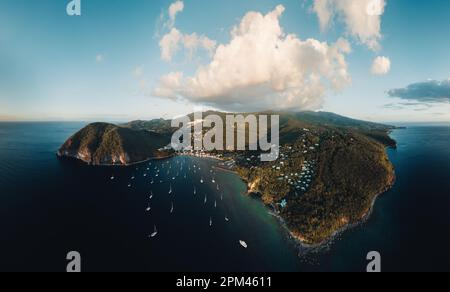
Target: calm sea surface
49, 207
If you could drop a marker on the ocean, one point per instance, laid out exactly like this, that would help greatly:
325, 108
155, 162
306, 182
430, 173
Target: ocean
49, 207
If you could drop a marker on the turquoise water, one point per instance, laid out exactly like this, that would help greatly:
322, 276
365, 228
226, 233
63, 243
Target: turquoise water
49, 207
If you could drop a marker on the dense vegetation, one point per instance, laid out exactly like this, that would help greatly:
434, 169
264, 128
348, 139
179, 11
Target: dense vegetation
107, 144
329, 172
348, 168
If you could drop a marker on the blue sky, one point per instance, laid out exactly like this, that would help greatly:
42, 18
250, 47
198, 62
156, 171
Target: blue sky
105, 64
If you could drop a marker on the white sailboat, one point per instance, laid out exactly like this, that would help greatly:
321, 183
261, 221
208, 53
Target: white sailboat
154, 233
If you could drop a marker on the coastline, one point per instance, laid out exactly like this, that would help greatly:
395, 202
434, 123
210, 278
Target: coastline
272, 210
114, 165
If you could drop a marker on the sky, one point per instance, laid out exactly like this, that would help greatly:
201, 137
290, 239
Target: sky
378, 60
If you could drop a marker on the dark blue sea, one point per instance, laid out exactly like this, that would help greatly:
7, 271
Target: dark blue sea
49, 207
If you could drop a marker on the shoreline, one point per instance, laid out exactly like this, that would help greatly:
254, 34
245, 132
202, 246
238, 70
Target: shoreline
113, 165
305, 247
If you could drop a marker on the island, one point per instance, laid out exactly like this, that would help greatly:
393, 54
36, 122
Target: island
330, 171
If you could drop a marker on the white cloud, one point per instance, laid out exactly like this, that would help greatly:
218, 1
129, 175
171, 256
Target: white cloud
262, 68
381, 66
362, 18
138, 72
99, 58
174, 9
171, 42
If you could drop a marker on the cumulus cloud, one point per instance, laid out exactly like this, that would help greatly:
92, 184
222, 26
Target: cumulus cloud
174, 40
171, 43
381, 66
174, 9
263, 68
362, 18
428, 91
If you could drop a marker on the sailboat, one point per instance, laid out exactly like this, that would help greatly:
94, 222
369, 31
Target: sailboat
154, 233
243, 243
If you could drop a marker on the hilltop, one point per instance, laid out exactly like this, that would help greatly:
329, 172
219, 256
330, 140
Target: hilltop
108, 144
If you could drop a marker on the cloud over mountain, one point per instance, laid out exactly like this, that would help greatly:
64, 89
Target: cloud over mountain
261, 68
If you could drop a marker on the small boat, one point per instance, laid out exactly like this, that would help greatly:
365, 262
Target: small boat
215, 204
171, 209
206, 199
218, 188
129, 185
145, 175
210, 222
195, 191
201, 181
151, 195
221, 197
112, 177
154, 233
243, 244
148, 209
227, 219
170, 191
132, 178
213, 181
